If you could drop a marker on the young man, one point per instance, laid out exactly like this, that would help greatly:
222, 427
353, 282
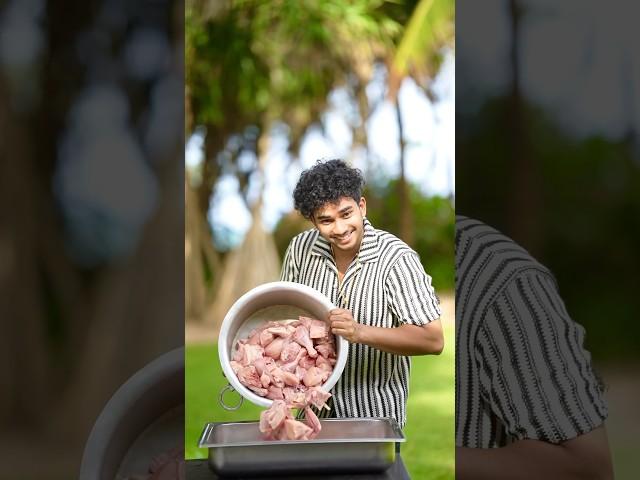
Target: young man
388, 309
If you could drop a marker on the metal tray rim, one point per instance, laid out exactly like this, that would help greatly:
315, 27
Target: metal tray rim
394, 425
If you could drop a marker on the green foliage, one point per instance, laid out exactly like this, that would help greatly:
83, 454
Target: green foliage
434, 224
587, 215
428, 451
434, 227
223, 73
280, 59
430, 28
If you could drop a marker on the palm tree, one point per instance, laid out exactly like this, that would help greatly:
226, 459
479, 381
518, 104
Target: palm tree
419, 54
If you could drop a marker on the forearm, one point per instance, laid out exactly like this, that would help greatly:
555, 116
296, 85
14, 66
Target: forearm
585, 457
404, 340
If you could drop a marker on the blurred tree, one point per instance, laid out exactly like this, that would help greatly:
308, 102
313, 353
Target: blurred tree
419, 54
248, 68
601, 178
78, 322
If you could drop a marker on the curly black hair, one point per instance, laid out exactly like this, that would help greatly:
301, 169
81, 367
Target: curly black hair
326, 182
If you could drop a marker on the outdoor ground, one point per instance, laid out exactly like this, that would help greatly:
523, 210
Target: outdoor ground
428, 452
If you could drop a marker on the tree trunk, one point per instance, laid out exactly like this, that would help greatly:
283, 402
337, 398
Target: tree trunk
406, 232
194, 285
360, 138
24, 366
524, 199
256, 261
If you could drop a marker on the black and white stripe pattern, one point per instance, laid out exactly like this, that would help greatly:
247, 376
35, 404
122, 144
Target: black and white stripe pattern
385, 286
521, 368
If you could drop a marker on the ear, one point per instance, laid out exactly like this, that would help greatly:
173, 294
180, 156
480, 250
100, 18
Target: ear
363, 206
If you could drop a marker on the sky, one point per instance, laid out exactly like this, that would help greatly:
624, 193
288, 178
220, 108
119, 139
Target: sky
430, 151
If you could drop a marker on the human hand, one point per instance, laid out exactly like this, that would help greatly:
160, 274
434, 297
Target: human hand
343, 324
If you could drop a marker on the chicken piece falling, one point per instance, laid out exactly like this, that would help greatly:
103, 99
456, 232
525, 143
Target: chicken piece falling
278, 423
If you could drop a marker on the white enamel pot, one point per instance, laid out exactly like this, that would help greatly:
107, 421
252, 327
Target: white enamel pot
258, 305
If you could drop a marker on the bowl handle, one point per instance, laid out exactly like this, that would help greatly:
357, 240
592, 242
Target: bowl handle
221, 398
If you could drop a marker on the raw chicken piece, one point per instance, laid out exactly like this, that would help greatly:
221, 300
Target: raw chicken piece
273, 418
306, 362
313, 377
289, 351
317, 397
248, 353
261, 364
254, 337
293, 364
238, 355
274, 349
259, 391
294, 398
249, 377
235, 366
324, 365
281, 330
290, 379
275, 393
301, 335
277, 422
266, 337
276, 375
295, 430
326, 350
311, 419
300, 372
318, 329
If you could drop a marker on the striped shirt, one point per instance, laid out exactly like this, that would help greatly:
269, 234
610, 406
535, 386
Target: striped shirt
521, 368
384, 286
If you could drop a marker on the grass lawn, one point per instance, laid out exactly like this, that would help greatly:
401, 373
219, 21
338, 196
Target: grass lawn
428, 452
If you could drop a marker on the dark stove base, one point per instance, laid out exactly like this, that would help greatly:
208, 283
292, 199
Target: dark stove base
199, 470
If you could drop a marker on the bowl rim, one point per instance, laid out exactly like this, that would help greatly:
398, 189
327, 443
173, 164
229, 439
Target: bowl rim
240, 303
103, 441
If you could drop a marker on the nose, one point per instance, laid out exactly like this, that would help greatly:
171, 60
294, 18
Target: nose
340, 228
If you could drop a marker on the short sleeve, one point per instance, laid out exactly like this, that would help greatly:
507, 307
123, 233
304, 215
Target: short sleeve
412, 298
536, 375
289, 272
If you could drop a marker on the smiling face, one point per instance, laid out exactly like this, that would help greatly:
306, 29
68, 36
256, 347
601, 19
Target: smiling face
342, 225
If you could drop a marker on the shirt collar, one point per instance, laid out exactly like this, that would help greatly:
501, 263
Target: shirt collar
368, 248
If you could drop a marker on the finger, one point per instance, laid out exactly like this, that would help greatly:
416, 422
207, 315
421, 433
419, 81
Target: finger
338, 318
340, 331
341, 324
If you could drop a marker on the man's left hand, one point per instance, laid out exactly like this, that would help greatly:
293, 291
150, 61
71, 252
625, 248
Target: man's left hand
343, 324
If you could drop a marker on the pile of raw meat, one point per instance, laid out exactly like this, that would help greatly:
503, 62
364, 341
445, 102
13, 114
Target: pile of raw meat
287, 362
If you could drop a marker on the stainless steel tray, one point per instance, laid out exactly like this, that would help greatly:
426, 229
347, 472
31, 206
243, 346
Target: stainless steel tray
343, 445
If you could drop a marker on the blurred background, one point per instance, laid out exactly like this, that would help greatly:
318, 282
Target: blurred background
91, 215
548, 152
271, 87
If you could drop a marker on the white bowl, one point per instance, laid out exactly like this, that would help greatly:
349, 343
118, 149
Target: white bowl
144, 418
240, 320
